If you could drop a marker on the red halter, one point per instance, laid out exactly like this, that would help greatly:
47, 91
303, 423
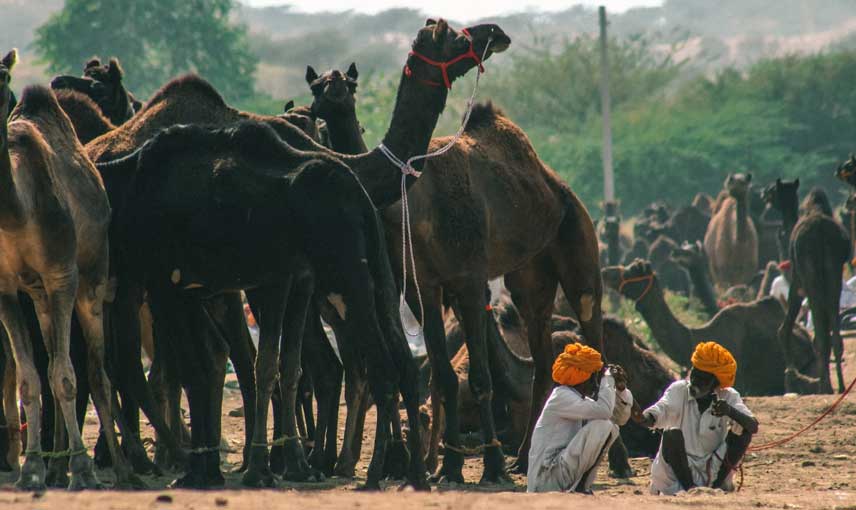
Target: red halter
444, 66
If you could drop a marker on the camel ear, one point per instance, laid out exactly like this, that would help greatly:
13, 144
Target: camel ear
114, 70
311, 75
352, 72
288, 106
92, 62
440, 30
10, 59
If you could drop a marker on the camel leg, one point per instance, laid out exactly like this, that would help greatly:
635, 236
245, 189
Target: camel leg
533, 290
6, 367
446, 382
271, 304
472, 302
326, 373
32, 476
296, 467
785, 334
89, 306
823, 319
54, 310
356, 401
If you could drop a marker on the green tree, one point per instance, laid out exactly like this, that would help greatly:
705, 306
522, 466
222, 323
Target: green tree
155, 40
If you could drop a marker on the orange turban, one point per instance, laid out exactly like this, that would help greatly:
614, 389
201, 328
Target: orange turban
576, 364
715, 359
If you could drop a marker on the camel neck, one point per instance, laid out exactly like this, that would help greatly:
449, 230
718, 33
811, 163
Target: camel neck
741, 217
509, 367
672, 335
11, 213
790, 216
701, 280
417, 108
613, 250
345, 135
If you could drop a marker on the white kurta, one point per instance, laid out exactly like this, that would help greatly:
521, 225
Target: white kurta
704, 435
570, 435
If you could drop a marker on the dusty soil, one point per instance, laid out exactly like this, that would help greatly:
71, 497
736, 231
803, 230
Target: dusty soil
817, 470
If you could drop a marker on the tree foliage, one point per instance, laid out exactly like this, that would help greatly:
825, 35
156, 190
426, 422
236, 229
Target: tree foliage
154, 39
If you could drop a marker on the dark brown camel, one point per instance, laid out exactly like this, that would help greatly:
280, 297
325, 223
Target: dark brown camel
693, 258
417, 109
85, 115
731, 241
672, 275
103, 84
745, 329
818, 247
53, 232
454, 251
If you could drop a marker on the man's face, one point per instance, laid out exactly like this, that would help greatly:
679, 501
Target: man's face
702, 383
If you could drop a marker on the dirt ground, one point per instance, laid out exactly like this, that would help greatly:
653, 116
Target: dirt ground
817, 470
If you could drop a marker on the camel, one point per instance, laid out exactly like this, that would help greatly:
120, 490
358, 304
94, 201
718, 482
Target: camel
694, 259
103, 84
689, 223
846, 171
745, 329
818, 247
87, 118
731, 241
53, 232
408, 133
561, 242
672, 275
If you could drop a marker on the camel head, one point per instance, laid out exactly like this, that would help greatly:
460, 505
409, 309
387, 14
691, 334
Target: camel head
333, 92
633, 281
658, 211
737, 185
690, 255
103, 84
782, 195
847, 171
6, 97
441, 54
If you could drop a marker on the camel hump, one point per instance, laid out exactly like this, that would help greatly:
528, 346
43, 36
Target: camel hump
37, 100
187, 85
483, 115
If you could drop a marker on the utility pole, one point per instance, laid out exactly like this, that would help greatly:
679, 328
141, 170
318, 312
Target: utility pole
608, 178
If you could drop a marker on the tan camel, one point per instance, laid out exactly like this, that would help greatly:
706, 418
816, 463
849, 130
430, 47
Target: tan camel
731, 241
54, 217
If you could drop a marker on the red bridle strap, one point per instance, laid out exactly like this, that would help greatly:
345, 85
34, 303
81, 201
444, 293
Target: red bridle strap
444, 66
648, 277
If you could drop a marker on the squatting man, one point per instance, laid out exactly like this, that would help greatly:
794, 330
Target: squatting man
706, 426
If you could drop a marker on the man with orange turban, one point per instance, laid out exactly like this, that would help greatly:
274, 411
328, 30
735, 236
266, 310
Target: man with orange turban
574, 430
706, 426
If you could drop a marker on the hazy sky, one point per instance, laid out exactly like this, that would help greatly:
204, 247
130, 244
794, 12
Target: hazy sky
456, 9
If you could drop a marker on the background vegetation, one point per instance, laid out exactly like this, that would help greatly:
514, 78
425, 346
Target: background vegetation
699, 88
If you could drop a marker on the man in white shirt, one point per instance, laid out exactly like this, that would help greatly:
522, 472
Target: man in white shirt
574, 431
706, 426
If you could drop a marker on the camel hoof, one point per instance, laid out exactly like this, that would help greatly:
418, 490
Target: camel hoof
495, 478
141, 464
258, 479
307, 475
32, 476
324, 463
344, 471
369, 486
420, 485
83, 475
518, 467
57, 474
622, 473
397, 461
130, 482
277, 459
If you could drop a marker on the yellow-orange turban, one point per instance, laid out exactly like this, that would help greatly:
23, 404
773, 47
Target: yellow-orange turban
715, 359
576, 364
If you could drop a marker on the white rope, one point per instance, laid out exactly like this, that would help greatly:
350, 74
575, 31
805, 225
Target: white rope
406, 168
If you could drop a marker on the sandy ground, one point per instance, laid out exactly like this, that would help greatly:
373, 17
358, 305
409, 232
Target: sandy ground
817, 470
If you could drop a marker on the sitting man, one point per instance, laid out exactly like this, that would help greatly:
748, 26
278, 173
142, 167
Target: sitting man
706, 426
574, 431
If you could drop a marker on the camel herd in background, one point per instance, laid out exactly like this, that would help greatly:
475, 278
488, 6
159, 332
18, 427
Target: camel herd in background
122, 222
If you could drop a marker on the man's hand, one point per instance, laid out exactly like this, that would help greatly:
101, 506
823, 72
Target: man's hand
620, 377
636, 414
720, 408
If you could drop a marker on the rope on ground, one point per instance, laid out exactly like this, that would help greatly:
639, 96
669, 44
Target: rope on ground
808, 427
472, 451
280, 441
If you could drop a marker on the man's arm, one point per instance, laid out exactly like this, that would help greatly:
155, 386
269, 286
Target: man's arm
742, 418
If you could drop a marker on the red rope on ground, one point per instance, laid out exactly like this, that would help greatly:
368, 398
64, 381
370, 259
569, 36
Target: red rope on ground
808, 427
